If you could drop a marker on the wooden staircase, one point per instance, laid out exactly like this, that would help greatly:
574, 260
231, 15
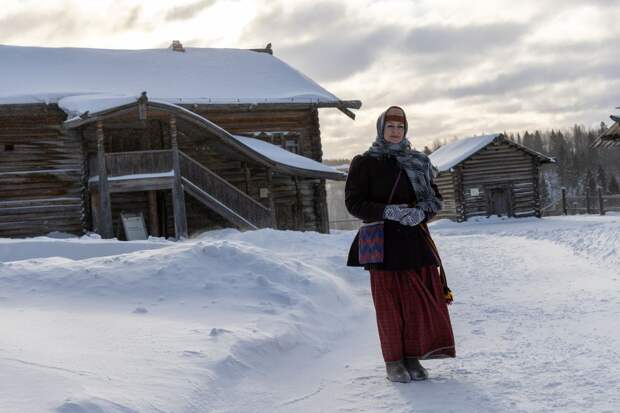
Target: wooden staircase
156, 166
222, 197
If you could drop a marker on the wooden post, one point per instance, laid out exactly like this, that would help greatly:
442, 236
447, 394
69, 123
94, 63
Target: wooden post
537, 207
178, 197
323, 207
142, 107
564, 207
459, 195
153, 214
588, 211
272, 204
247, 177
162, 204
601, 207
94, 205
105, 205
300, 224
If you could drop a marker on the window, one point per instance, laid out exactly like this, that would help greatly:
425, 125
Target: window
291, 145
286, 140
8, 147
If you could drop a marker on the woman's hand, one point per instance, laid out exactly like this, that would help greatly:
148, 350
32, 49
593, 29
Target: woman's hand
404, 215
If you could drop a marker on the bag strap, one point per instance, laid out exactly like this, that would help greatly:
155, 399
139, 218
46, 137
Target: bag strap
400, 171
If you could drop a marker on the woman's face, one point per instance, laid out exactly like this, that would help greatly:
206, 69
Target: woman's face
393, 132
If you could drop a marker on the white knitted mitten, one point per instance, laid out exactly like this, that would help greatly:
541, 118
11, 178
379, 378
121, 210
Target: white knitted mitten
406, 216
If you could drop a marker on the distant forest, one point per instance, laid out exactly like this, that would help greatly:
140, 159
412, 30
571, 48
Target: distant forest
578, 167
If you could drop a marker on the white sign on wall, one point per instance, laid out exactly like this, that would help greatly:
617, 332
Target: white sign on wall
474, 192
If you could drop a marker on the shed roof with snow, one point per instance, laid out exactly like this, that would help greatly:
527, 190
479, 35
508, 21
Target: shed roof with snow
452, 154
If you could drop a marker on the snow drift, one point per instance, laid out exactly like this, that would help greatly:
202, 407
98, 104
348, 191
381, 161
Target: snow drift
272, 321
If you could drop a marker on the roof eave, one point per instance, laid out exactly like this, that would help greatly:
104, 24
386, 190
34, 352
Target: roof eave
344, 106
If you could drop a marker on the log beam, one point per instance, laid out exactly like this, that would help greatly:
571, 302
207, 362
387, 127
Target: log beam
104, 222
153, 214
272, 204
178, 197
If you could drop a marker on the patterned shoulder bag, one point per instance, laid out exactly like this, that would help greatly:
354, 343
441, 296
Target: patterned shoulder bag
371, 237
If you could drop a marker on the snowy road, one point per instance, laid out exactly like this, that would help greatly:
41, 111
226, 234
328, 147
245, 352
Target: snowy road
271, 321
536, 329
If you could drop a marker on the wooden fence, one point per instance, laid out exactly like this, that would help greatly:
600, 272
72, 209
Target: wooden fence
592, 202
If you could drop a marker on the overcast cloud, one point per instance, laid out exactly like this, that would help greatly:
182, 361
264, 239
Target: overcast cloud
458, 68
189, 10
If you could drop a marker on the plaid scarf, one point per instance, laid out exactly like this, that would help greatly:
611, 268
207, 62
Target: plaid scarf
416, 164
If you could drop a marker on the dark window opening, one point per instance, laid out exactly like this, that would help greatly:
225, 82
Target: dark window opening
9, 147
291, 145
285, 140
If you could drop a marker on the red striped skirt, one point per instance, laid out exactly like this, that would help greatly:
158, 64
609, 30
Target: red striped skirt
412, 314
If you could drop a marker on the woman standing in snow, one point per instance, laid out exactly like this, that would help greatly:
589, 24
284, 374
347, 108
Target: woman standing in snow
393, 183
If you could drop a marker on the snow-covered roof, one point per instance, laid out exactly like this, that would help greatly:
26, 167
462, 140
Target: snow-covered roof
610, 137
456, 152
285, 157
198, 75
452, 154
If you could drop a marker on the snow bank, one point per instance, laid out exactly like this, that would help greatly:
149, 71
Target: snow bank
202, 311
71, 248
590, 236
273, 321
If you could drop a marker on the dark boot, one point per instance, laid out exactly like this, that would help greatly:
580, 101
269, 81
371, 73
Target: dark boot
415, 369
396, 371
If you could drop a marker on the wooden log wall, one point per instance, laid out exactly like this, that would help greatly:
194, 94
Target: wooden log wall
446, 185
301, 123
306, 211
45, 170
296, 203
496, 165
41, 172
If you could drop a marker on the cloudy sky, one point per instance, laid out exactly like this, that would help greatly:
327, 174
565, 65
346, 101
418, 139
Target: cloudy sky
459, 68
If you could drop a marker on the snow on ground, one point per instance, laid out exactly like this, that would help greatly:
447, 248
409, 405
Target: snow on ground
272, 321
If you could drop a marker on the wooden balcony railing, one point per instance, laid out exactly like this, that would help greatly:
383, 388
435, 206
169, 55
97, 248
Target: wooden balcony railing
133, 163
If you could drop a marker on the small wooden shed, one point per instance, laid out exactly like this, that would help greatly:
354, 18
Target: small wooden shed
220, 137
611, 137
488, 175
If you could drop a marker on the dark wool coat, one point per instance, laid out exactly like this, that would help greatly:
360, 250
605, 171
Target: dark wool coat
367, 190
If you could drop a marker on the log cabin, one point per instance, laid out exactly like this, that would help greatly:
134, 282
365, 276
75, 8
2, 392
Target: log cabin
488, 175
610, 137
188, 138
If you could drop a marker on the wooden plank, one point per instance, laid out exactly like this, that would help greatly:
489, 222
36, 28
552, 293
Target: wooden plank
153, 214
105, 206
136, 185
178, 196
